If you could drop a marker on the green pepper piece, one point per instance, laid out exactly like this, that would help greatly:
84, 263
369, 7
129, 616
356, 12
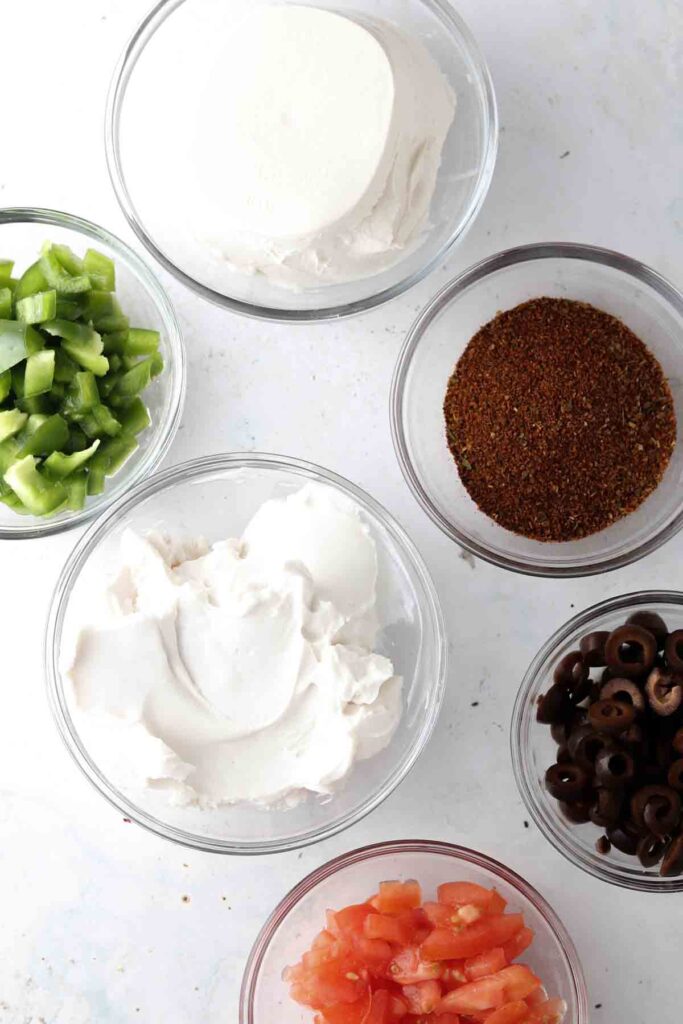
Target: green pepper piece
115, 363
12, 343
107, 422
141, 342
5, 303
59, 465
11, 422
112, 323
135, 380
58, 277
135, 417
81, 334
114, 342
51, 436
34, 309
100, 307
40, 496
83, 394
85, 357
39, 373
6, 268
65, 368
101, 270
96, 480
17, 373
31, 281
37, 404
76, 489
9, 453
77, 442
35, 420
113, 453
5, 384
72, 263
69, 309
10, 499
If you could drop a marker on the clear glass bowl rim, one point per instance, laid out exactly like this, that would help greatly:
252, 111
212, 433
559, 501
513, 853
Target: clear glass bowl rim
156, 452
457, 286
126, 64
365, 853
86, 545
604, 869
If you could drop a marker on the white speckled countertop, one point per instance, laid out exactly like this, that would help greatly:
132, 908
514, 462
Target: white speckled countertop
105, 924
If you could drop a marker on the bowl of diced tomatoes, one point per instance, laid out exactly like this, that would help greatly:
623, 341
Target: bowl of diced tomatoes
413, 932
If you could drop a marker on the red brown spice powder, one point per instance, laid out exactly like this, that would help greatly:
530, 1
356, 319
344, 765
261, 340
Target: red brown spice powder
559, 418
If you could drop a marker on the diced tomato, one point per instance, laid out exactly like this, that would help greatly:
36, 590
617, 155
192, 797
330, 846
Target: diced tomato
408, 967
552, 1011
417, 921
423, 997
439, 915
519, 981
391, 929
457, 894
498, 903
380, 1008
511, 1013
453, 974
398, 1007
484, 994
397, 896
349, 921
538, 996
472, 940
334, 982
518, 944
442, 1018
375, 954
353, 1013
490, 962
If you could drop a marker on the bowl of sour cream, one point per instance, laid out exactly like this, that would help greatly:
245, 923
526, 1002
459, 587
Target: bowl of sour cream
245, 654
300, 162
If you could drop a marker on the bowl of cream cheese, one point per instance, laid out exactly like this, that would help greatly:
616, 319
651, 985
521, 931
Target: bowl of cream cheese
245, 654
301, 162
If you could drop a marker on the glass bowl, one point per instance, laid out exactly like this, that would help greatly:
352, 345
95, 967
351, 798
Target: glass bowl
466, 169
22, 232
533, 749
640, 297
215, 497
353, 876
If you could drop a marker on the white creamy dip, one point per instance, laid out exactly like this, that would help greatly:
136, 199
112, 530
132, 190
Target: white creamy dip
297, 143
243, 671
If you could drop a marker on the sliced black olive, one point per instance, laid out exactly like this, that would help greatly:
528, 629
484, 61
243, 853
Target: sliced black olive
672, 863
603, 845
614, 767
606, 810
624, 690
559, 732
592, 648
675, 775
650, 850
554, 706
653, 623
584, 745
571, 670
673, 649
664, 692
611, 716
623, 840
664, 811
566, 782
577, 812
634, 739
677, 741
630, 651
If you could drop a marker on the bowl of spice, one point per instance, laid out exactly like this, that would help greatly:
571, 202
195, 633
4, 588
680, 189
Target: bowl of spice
535, 409
597, 741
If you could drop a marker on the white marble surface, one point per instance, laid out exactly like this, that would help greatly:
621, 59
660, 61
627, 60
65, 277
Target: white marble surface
94, 927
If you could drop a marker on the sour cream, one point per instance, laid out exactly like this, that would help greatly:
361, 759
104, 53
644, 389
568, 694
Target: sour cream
295, 143
245, 670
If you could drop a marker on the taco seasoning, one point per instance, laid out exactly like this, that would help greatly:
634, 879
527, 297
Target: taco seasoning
559, 418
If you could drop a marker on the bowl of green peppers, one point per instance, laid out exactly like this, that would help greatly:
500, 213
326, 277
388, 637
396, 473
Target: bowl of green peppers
92, 371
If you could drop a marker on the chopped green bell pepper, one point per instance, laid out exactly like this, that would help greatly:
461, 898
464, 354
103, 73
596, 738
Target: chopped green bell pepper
39, 373
100, 269
59, 465
39, 495
11, 422
34, 309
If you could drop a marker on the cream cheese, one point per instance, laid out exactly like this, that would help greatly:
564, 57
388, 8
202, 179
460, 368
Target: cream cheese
243, 671
305, 147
